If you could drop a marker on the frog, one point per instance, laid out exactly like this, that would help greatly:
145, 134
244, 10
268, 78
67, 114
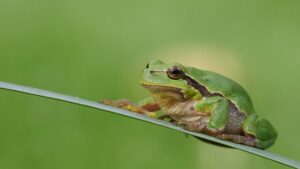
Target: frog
201, 101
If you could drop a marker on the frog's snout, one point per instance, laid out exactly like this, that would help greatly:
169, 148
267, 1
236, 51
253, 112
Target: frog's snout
155, 63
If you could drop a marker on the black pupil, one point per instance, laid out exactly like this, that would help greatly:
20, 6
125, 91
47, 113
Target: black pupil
175, 71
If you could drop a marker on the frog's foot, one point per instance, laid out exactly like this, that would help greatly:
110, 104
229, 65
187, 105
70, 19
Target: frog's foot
116, 103
246, 140
128, 105
166, 117
150, 107
196, 127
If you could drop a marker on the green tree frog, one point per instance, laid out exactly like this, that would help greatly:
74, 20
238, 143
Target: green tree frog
201, 101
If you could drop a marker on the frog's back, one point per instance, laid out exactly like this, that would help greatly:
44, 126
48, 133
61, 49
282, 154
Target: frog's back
216, 83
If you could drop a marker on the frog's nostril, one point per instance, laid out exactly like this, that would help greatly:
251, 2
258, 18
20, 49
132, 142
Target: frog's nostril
151, 71
147, 66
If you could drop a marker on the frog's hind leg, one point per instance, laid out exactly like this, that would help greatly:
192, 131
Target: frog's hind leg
202, 127
246, 140
262, 129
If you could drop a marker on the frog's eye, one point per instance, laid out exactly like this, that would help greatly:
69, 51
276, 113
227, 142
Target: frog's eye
175, 72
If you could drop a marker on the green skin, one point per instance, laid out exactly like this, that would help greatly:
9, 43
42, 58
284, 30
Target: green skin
202, 101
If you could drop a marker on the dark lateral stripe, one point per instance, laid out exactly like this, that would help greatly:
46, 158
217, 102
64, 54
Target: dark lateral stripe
204, 92
190, 81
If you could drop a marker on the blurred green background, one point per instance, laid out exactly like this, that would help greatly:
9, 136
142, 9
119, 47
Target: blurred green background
97, 49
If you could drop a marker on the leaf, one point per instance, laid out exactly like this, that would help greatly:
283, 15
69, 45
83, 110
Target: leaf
96, 105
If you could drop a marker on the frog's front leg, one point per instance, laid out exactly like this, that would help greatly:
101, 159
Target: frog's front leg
146, 106
218, 107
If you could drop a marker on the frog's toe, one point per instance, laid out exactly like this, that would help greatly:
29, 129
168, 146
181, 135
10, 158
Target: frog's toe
116, 103
246, 140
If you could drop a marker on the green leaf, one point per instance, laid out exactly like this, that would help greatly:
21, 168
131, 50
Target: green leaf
96, 105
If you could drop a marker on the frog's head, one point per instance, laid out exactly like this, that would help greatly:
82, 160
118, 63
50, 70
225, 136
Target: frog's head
161, 74
166, 83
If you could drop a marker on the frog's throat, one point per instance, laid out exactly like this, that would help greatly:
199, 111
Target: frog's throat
166, 96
